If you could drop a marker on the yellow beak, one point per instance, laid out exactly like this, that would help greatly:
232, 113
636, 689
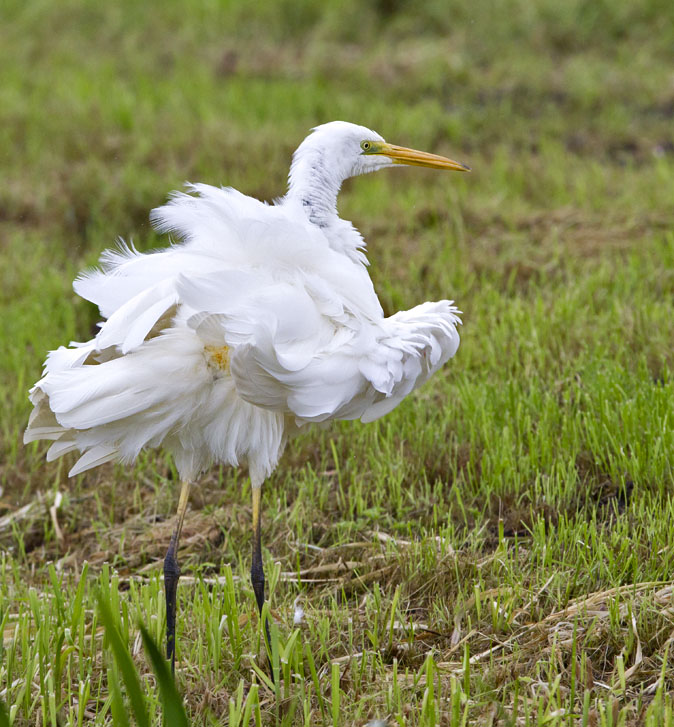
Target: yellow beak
402, 155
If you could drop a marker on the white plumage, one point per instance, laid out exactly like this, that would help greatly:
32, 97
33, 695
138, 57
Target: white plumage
257, 320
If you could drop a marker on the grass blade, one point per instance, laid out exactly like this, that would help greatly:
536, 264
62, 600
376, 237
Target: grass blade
124, 663
172, 703
335, 693
117, 707
4, 717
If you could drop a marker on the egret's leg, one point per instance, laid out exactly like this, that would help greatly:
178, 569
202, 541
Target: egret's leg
256, 570
171, 575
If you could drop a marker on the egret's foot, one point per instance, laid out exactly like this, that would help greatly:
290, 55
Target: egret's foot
257, 579
171, 576
257, 573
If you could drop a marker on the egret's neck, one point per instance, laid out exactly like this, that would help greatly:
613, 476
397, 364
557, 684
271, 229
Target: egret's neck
315, 184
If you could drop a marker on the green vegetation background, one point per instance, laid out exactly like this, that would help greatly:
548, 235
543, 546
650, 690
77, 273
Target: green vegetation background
514, 512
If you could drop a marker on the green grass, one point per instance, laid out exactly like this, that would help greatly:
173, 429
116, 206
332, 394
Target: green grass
498, 550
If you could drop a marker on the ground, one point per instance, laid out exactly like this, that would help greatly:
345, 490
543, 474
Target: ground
498, 550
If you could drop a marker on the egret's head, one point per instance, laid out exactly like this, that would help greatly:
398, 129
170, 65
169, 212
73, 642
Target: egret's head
347, 150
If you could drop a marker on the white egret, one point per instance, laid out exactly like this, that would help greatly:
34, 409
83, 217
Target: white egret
260, 320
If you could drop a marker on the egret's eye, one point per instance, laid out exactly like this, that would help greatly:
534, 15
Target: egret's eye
366, 145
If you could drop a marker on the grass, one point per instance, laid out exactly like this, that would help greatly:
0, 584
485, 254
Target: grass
495, 551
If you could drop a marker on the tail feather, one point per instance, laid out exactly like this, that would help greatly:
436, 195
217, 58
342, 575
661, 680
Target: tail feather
66, 443
42, 423
93, 457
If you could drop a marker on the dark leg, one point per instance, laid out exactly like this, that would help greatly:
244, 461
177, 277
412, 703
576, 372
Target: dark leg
171, 576
256, 570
